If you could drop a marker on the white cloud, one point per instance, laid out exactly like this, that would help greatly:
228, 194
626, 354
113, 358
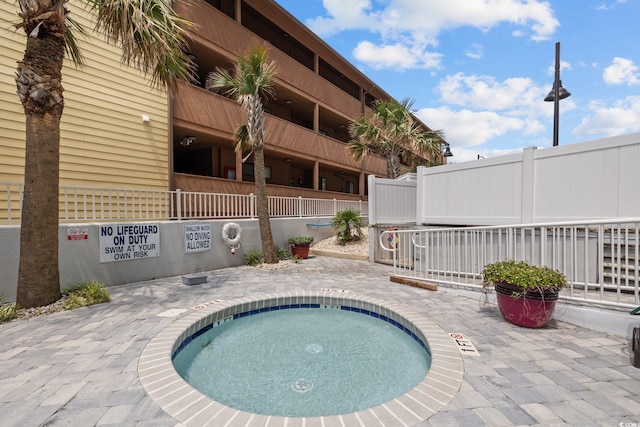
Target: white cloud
466, 128
609, 120
621, 71
398, 56
564, 65
343, 15
416, 24
475, 52
485, 92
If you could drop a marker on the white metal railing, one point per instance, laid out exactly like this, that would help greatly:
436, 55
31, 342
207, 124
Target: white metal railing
601, 259
78, 204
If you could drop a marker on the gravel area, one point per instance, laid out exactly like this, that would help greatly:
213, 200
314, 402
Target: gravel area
360, 247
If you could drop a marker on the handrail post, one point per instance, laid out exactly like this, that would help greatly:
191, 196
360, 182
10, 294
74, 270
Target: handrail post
178, 204
335, 207
300, 206
252, 205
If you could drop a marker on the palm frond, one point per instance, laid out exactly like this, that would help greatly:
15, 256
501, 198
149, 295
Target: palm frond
241, 136
393, 133
70, 41
153, 37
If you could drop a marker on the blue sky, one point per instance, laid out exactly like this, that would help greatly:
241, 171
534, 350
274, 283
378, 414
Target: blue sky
480, 69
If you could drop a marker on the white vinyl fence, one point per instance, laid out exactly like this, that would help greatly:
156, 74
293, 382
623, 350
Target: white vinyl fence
586, 181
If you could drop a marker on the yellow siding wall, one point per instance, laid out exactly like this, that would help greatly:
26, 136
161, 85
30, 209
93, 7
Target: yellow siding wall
104, 142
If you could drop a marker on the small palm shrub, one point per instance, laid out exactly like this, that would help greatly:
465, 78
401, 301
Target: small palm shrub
348, 224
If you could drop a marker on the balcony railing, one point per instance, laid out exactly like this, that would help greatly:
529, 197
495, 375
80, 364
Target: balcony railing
84, 204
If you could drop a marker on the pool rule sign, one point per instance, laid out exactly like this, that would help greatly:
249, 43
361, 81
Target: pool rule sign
197, 237
129, 242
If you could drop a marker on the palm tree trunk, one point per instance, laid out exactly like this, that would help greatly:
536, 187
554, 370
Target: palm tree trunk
393, 166
38, 274
268, 248
39, 86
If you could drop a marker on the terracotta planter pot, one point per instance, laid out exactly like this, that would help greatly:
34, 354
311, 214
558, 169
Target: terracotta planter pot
301, 251
530, 310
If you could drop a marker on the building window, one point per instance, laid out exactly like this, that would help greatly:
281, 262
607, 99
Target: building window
350, 187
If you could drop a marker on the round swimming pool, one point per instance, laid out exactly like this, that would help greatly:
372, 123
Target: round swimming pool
306, 361
191, 407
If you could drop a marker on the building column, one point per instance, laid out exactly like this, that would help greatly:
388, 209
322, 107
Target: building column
316, 117
316, 175
238, 165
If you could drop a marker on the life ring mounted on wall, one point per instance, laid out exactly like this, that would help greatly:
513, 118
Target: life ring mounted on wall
231, 234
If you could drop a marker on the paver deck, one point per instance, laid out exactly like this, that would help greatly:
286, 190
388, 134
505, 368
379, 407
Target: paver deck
79, 367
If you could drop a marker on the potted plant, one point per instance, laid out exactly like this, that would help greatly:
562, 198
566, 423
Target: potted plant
300, 246
526, 293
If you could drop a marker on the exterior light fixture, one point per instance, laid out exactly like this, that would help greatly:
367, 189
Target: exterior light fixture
288, 101
446, 150
187, 140
556, 94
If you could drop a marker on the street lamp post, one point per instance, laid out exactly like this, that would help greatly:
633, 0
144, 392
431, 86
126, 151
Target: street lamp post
556, 94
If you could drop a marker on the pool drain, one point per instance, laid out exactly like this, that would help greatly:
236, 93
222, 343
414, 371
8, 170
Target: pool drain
314, 348
302, 386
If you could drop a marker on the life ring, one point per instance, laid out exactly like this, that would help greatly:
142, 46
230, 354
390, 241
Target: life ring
231, 234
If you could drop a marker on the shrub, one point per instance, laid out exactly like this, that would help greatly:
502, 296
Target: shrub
8, 312
85, 294
253, 258
348, 224
523, 274
300, 240
283, 253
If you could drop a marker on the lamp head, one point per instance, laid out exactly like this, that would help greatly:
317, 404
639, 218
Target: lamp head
562, 93
447, 151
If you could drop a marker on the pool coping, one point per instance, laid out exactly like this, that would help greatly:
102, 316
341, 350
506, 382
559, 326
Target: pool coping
192, 408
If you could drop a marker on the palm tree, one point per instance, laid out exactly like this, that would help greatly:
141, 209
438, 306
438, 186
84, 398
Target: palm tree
152, 39
250, 83
392, 133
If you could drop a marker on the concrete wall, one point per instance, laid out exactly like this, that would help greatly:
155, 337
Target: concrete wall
80, 259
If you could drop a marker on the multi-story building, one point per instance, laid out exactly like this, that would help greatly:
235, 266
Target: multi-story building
117, 131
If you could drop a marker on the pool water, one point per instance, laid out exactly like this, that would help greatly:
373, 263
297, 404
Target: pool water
303, 362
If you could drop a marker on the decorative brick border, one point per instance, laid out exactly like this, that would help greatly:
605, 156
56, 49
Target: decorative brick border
190, 407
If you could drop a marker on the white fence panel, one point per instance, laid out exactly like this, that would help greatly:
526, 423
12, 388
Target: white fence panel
586, 181
482, 192
598, 179
391, 201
